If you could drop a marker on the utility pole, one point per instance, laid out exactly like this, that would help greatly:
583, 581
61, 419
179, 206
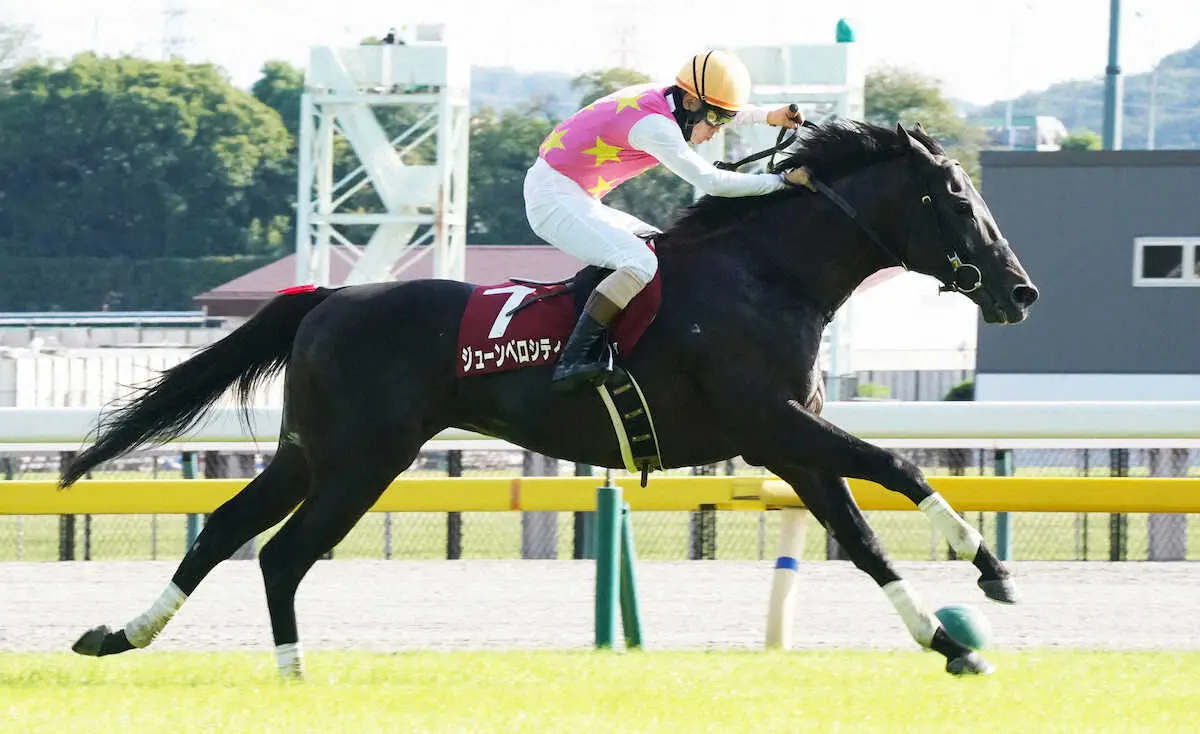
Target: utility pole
1113, 96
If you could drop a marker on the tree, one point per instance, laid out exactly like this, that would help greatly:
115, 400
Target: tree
1082, 139
895, 95
126, 157
280, 87
502, 149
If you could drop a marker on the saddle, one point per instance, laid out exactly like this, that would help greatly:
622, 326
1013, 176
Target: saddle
525, 323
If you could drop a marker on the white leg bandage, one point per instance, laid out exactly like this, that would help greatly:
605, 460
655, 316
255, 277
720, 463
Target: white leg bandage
290, 659
963, 538
920, 621
142, 630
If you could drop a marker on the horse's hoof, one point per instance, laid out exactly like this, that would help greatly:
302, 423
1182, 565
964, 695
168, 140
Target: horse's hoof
970, 664
1001, 590
91, 641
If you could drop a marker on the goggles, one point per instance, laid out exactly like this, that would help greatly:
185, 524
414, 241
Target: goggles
717, 117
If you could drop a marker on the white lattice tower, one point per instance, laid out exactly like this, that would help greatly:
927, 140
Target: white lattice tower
425, 205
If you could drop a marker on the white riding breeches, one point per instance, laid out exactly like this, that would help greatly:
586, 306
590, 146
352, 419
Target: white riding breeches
565, 216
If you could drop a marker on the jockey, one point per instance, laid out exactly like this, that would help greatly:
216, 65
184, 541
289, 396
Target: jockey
609, 142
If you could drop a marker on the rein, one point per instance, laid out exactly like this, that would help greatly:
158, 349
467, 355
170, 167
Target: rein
967, 278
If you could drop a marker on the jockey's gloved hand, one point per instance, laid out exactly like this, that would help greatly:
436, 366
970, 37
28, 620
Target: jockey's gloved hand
789, 117
799, 177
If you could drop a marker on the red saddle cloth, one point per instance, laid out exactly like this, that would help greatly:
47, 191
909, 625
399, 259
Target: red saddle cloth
491, 338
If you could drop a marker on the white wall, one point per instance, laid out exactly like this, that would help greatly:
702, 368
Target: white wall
1060, 387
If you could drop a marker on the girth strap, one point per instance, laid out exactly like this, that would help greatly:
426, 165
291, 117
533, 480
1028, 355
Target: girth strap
632, 423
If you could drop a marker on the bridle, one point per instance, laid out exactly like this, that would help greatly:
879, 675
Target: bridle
965, 277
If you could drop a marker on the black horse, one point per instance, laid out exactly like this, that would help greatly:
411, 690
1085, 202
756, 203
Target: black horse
728, 367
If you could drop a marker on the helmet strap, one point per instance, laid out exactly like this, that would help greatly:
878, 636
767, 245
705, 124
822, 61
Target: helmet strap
685, 118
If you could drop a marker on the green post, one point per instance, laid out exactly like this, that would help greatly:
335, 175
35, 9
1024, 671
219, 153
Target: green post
631, 618
1004, 536
194, 522
608, 552
584, 545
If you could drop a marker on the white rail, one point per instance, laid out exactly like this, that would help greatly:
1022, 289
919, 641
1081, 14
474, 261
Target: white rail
915, 424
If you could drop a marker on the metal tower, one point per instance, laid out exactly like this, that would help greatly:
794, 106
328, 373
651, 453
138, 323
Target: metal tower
425, 204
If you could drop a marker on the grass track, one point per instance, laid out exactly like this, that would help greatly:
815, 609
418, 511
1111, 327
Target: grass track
852, 691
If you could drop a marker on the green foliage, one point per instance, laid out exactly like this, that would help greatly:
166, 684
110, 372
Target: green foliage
280, 87
90, 283
873, 390
142, 159
1082, 140
502, 149
895, 95
961, 391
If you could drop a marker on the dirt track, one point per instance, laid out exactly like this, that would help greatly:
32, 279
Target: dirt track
458, 605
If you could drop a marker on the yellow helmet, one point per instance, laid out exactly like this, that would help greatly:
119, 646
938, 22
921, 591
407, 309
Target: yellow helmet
717, 78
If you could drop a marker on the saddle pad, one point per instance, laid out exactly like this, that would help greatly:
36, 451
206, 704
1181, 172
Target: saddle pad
491, 338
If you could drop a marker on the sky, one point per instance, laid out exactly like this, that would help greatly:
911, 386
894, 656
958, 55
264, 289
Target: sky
980, 50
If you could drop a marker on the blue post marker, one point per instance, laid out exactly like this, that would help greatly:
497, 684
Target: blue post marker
631, 618
1004, 536
608, 554
194, 522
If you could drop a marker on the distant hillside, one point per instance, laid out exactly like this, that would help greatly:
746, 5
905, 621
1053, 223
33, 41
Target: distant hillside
506, 88
1080, 104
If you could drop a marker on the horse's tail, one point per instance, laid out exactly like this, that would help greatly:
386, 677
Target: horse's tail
179, 398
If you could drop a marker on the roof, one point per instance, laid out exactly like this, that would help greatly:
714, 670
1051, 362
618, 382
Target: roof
484, 264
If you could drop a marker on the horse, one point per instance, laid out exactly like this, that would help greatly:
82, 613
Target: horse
729, 365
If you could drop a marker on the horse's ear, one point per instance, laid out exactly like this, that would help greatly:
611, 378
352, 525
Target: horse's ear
920, 130
903, 134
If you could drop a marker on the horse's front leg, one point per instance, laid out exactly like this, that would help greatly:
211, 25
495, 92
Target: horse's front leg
828, 498
783, 433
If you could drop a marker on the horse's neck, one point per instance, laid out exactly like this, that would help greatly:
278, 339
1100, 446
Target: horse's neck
834, 254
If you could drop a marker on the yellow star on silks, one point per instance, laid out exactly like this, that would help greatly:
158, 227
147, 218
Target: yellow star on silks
623, 102
604, 152
601, 188
554, 140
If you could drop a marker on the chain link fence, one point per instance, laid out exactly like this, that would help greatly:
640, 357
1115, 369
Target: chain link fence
706, 534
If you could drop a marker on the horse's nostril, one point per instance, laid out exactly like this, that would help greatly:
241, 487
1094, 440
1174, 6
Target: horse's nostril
1025, 294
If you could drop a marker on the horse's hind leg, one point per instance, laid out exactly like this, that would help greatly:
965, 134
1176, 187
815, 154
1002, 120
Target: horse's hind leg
345, 485
264, 502
829, 499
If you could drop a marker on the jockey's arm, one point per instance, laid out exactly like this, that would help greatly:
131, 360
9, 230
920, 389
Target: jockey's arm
750, 115
659, 136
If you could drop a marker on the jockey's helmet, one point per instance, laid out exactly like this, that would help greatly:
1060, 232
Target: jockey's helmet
718, 79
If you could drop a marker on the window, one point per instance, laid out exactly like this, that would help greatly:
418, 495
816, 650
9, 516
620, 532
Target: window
1166, 261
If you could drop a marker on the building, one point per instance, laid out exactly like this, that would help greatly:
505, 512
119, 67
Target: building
1112, 239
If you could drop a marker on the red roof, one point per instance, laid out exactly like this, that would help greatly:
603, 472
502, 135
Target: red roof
485, 264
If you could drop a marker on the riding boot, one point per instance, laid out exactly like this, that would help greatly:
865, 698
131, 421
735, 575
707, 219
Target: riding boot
587, 359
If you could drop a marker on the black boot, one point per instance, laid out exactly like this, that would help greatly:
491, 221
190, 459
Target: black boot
587, 359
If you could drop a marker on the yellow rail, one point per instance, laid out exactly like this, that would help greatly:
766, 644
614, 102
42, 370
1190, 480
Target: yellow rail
565, 494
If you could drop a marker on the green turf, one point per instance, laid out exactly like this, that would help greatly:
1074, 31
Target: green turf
832, 691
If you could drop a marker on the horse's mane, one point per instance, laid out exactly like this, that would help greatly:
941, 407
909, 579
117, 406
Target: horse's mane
830, 151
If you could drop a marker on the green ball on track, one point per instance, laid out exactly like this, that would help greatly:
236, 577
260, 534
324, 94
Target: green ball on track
965, 625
